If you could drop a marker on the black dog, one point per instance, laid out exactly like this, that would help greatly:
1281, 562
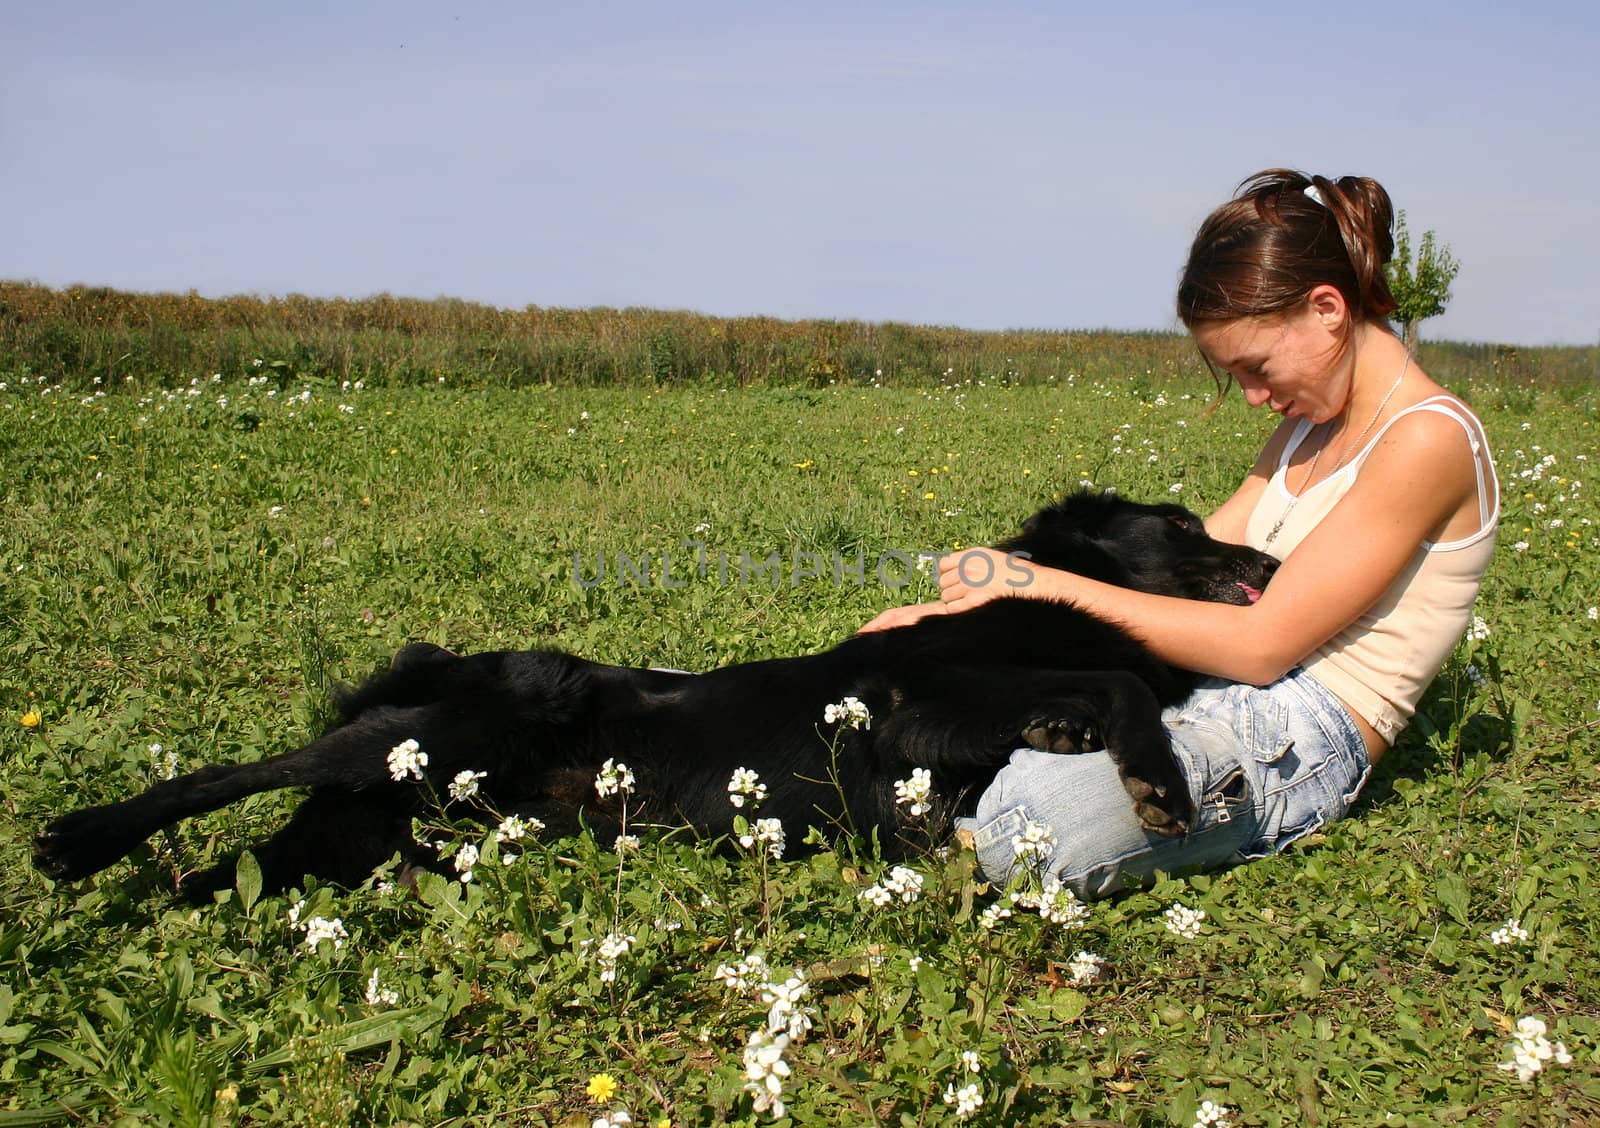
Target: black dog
953, 694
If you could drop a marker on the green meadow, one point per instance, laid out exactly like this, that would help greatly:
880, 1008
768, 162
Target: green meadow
190, 564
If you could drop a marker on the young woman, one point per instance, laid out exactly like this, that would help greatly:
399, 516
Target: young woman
1377, 492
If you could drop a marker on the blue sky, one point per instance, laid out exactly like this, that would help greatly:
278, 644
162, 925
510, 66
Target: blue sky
999, 165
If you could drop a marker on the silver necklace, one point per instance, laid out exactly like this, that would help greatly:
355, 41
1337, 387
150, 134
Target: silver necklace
1311, 473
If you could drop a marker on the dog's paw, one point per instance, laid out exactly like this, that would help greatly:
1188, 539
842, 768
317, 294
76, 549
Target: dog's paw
75, 846
1065, 735
1160, 808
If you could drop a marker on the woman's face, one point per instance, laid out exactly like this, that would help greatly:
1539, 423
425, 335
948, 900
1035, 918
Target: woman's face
1294, 363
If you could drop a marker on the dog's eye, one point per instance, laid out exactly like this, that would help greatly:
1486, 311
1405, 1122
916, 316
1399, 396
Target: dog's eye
1187, 523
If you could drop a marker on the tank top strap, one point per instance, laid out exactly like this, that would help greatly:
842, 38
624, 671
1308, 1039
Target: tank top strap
1302, 428
1482, 464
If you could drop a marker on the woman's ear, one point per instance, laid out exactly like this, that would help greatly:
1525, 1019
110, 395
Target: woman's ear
1327, 304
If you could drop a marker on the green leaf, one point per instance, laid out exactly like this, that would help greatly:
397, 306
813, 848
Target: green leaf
247, 879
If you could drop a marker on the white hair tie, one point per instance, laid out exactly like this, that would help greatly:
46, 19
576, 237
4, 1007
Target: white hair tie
1314, 196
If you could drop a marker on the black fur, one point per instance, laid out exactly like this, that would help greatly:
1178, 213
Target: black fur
954, 694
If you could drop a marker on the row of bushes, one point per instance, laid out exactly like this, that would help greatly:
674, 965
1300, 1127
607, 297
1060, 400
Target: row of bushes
76, 335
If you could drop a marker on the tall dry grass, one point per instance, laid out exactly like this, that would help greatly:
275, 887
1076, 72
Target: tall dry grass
78, 334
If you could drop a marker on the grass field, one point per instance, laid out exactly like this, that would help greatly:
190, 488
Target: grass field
191, 567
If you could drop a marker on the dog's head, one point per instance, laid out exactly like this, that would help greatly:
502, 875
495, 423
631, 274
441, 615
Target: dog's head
1161, 549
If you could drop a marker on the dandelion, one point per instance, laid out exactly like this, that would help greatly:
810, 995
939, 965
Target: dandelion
613, 778
746, 784
916, 793
849, 712
465, 859
1183, 921
407, 759
465, 784
1530, 1049
967, 1099
379, 996
31, 719
1211, 1115
319, 929
1085, 967
601, 1087
1036, 840
1512, 933
765, 1071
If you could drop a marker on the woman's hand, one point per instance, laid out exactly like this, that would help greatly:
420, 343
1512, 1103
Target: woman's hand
904, 616
973, 577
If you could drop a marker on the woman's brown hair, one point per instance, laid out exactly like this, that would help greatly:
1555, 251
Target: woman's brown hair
1267, 248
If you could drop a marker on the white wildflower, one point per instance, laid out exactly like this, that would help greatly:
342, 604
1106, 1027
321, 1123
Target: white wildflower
465, 859
465, 784
768, 832
319, 929
163, 763
613, 778
626, 844
967, 1099
380, 996
407, 759
746, 784
1086, 967
971, 1062
1036, 840
916, 793
1183, 921
609, 952
849, 712
1479, 629
1212, 1115
744, 976
513, 828
765, 1071
1512, 933
992, 916
1530, 1049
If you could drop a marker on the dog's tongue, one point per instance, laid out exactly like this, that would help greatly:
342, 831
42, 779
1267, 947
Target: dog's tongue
1250, 593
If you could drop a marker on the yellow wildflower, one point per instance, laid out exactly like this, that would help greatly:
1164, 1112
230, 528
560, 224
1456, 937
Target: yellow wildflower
601, 1087
31, 719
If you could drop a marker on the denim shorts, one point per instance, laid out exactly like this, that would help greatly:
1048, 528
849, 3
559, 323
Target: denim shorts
1265, 764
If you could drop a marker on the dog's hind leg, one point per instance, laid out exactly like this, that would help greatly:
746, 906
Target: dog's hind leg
338, 836
349, 757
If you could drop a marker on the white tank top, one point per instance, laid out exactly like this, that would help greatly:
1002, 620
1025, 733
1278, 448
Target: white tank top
1381, 664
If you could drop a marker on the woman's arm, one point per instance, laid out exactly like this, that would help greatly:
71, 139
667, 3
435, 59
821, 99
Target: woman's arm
1417, 477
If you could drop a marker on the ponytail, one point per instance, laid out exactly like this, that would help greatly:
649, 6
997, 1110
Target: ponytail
1283, 234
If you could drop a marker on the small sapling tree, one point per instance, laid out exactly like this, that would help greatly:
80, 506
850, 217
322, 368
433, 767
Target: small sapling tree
1422, 287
